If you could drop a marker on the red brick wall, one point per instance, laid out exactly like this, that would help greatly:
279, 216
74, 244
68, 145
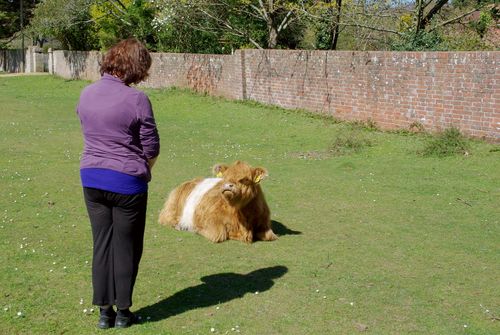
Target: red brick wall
213, 74
394, 89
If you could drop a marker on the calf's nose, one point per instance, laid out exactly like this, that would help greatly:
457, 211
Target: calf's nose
228, 185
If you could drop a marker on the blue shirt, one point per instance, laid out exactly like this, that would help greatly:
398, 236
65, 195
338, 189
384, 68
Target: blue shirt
113, 181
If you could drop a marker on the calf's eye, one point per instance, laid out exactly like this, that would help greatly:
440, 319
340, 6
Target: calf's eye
245, 181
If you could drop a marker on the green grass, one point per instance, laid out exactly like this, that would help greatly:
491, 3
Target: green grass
379, 240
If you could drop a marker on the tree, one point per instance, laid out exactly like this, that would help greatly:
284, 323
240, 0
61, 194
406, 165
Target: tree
330, 14
68, 21
429, 31
397, 24
363, 24
179, 28
220, 26
276, 14
334, 31
250, 20
120, 19
425, 12
10, 17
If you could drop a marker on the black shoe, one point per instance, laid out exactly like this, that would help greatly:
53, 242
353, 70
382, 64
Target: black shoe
107, 318
125, 319
105, 322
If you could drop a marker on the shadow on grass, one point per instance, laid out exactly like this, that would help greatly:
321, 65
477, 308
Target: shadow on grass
215, 289
280, 229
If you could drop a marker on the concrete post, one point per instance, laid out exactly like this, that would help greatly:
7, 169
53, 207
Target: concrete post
28, 59
51, 61
38, 60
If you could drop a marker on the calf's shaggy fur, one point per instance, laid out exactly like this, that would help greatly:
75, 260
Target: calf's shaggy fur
229, 206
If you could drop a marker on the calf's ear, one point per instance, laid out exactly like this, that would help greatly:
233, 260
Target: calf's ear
219, 169
259, 174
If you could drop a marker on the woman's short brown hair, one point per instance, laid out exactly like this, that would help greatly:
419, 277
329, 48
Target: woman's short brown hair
129, 60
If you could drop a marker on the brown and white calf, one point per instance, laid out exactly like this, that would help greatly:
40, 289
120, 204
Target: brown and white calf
229, 206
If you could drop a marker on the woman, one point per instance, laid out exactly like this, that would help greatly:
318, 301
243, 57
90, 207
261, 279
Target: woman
121, 144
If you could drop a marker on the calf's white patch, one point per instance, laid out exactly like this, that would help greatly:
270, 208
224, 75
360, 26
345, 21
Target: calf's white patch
192, 201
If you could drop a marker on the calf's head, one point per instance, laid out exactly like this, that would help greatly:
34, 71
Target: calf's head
240, 182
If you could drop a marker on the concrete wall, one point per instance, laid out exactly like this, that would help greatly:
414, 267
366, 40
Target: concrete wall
34, 60
75, 64
396, 90
212, 74
11, 60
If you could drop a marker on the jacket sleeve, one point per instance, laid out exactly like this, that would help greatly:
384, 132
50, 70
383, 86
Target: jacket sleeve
150, 140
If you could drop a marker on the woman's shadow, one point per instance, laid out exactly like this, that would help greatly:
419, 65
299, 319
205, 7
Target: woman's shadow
215, 289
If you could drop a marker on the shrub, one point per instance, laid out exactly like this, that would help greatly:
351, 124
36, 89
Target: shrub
447, 143
368, 124
350, 142
418, 41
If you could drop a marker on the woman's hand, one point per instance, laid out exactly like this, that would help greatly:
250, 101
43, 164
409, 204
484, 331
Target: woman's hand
152, 162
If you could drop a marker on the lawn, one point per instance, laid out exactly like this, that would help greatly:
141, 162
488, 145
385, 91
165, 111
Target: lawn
377, 241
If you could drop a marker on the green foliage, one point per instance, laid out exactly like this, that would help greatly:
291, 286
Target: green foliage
10, 19
202, 26
183, 39
326, 14
368, 124
483, 23
221, 26
230, 24
66, 21
323, 36
421, 41
447, 143
463, 41
469, 3
182, 27
293, 35
139, 15
114, 23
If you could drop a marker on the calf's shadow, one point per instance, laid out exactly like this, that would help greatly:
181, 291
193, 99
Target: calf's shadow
280, 229
215, 289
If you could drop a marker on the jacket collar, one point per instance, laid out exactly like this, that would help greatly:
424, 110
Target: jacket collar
107, 76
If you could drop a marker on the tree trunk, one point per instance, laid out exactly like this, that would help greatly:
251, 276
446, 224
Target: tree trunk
424, 20
273, 36
420, 14
272, 30
434, 10
335, 32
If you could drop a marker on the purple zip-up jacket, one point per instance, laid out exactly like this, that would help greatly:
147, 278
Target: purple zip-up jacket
119, 128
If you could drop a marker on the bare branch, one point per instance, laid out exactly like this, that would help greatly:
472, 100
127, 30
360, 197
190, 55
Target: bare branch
230, 27
371, 28
112, 13
121, 4
424, 6
285, 21
121, 10
435, 9
458, 17
263, 8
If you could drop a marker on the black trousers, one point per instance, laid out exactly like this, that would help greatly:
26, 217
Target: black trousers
118, 223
